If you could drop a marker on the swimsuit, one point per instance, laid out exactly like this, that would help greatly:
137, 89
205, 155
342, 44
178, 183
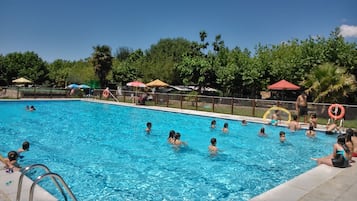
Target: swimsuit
302, 110
340, 160
274, 121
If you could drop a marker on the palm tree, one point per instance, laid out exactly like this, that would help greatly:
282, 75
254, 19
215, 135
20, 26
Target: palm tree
330, 83
102, 62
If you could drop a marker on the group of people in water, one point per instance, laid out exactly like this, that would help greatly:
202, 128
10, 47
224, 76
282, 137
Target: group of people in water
30, 108
11, 162
343, 150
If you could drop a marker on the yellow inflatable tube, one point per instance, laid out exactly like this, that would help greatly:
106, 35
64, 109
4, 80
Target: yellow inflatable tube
277, 108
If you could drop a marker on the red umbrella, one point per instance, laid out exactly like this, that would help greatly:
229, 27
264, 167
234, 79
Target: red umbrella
135, 84
283, 85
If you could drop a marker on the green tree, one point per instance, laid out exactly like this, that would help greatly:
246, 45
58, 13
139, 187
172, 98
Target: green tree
102, 63
123, 72
161, 58
27, 64
330, 83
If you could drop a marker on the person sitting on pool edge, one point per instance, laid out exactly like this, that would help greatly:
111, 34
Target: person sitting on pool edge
338, 158
11, 162
225, 128
332, 128
275, 118
212, 147
349, 144
354, 141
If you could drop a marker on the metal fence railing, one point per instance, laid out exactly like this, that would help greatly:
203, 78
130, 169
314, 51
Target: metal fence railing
227, 105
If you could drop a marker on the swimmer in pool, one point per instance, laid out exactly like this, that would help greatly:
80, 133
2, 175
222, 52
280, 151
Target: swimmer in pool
294, 125
148, 127
262, 132
25, 147
310, 132
177, 140
171, 137
212, 147
225, 128
282, 136
244, 122
213, 124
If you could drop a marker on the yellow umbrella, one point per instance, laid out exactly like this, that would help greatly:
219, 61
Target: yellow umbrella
157, 83
22, 80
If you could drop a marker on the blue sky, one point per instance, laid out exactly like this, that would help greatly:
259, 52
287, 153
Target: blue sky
68, 29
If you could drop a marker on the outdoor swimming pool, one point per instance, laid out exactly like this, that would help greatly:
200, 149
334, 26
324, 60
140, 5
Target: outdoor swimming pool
103, 152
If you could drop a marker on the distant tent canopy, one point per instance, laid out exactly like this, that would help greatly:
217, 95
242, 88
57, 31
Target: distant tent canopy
157, 83
22, 80
283, 85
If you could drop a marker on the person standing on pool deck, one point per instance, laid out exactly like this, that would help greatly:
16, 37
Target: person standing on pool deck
301, 106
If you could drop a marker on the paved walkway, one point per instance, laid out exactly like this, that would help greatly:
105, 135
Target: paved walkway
322, 183
8, 188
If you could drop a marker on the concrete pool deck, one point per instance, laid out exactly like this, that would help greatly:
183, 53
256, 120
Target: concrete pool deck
8, 188
322, 183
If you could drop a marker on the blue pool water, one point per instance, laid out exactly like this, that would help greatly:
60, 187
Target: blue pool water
103, 152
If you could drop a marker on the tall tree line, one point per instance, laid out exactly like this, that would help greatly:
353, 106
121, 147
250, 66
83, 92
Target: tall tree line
325, 67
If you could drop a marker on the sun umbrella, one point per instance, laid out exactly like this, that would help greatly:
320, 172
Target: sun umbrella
157, 83
283, 85
135, 84
83, 86
22, 80
72, 86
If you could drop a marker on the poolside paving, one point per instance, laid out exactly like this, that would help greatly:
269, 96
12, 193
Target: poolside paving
8, 188
322, 183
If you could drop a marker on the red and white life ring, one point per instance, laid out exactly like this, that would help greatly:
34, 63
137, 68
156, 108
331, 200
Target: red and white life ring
106, 93
333, 111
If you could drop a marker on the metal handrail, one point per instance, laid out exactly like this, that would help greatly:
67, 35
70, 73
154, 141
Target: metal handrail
112, 95
28, 168
53, 176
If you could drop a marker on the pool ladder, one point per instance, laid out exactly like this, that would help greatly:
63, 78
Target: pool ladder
48, 173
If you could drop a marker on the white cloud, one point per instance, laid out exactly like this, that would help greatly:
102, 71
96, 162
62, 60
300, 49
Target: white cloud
348, 31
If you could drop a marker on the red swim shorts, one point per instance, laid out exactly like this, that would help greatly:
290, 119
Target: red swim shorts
354, 154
